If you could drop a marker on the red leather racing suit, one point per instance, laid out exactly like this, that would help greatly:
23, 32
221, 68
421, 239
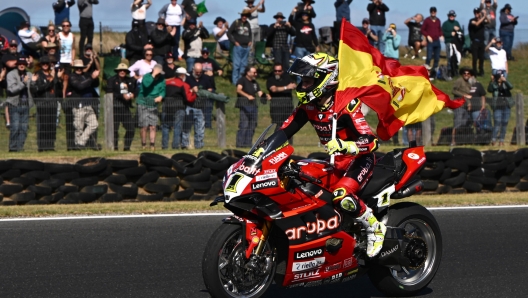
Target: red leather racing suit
351, 126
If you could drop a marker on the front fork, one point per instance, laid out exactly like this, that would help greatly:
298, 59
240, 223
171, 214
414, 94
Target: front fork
256, 237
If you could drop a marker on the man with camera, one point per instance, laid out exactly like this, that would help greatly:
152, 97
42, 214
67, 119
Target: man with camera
377, 10
498, 57
501, 104
476, 34
278, 39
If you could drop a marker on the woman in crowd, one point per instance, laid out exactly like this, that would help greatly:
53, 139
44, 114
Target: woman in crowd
174, 16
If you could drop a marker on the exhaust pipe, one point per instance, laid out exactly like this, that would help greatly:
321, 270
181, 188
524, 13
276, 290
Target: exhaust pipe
408, 190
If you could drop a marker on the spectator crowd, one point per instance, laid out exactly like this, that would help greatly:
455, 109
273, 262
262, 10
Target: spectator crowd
66, 68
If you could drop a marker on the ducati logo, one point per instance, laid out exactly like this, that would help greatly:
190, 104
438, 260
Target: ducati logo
320, 116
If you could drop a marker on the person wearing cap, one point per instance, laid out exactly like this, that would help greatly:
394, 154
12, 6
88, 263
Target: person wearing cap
91, 62
507, 27
178, 95
50, 37
342, 9
193, 38
498, 57
306, 41
151, 93
139, 11
447, 30
162, 40
377, 10
136, 42
82, 99
29, 36
239, 33
415, 40
220, 33
476, 34
122, 87
365, 29
19, 100
46, 91
174, 16
432, 30
501, 104
392, 40
490, 26
462, 88
61, 9
86, 23
210, 66
247, 90
277, 39
10, 58
168, 66
304, 7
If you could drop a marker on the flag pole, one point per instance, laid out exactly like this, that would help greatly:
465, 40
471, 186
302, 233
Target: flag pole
334, 132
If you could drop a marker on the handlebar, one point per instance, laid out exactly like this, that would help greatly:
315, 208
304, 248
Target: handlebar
294, 170
309, 178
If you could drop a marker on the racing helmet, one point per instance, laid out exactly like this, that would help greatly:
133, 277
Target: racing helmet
320, 66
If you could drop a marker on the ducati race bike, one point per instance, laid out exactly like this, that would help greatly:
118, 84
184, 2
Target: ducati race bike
285, 228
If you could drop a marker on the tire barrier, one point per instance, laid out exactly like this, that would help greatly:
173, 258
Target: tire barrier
466, 170
183, 176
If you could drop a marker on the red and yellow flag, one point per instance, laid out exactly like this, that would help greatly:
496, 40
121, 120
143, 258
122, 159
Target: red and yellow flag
399, 94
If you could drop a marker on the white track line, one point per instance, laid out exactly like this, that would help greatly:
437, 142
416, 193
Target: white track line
221, 214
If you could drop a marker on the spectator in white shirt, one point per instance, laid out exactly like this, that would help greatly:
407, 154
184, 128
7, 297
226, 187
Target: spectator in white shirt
220, 33
174, 16
29, 36
143, 66
498, 57
139, 11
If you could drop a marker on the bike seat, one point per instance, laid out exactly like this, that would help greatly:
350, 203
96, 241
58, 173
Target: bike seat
383, 175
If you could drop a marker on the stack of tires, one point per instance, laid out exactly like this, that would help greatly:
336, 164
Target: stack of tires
466, 170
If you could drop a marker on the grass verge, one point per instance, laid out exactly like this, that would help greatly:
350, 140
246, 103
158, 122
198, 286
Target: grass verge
478, 199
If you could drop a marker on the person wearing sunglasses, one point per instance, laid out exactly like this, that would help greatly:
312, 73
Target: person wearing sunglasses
67, 52
143, 66
61, 8
122, 86
280, 86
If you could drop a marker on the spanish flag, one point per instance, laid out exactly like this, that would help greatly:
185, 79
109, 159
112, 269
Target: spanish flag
399, 94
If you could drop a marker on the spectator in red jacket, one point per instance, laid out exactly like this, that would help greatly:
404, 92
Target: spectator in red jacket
432, 30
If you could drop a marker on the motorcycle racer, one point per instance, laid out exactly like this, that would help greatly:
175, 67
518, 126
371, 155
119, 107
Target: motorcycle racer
354, 143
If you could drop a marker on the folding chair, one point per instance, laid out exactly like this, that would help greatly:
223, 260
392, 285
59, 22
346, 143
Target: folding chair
263, 62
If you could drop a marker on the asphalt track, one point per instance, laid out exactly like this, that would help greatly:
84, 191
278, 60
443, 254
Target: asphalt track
485, 255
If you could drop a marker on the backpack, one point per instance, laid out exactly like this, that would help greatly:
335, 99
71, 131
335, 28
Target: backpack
442, 73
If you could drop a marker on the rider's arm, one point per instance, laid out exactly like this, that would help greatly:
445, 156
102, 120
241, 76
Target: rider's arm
295, 122
366, 142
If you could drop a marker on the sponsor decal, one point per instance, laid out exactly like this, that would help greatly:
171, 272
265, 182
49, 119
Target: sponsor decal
333, 267
253, 231
349, 278
232, 185
413, 156
421, 161
278, 158
390, 251
269, 171
266, 177
352, 272
265, 184
310, 253
317, 227
348, 262
302, 163
324, 128
310, 107
306, 275
300, 284
320, 193
255, 239
320, 116
313, 283
252, 171
308, 265
359, 120
334, 279
363, 172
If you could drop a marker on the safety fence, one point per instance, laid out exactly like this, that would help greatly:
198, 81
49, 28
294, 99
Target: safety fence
105, 123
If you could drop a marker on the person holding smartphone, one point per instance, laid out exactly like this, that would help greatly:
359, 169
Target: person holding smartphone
392, 40
507, 26
501, 104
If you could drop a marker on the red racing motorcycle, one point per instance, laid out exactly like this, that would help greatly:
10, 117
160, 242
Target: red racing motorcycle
286, 229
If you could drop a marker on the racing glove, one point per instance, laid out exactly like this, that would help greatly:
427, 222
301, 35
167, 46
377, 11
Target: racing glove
338, 145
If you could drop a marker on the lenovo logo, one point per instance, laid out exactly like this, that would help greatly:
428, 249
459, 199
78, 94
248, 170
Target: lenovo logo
264, 184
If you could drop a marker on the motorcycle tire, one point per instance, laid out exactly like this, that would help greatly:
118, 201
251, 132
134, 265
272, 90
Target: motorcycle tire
410, 216
220, 242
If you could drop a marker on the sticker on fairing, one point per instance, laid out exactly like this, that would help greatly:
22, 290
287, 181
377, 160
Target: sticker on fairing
384, 196
235, 185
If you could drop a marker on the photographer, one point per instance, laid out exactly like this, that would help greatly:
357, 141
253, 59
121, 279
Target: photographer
476, 34
416, 39
501, 104
377, 10
392, 42
498, 57
278, 39
91, 62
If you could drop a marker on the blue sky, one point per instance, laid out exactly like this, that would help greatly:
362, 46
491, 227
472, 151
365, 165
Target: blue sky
116, 13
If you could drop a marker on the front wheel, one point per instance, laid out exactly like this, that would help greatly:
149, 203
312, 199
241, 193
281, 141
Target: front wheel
226, 271
417, 222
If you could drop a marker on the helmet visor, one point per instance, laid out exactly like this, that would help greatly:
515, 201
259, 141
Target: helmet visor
303, 69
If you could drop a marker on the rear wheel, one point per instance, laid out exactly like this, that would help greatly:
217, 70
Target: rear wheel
226, 271
418, 222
